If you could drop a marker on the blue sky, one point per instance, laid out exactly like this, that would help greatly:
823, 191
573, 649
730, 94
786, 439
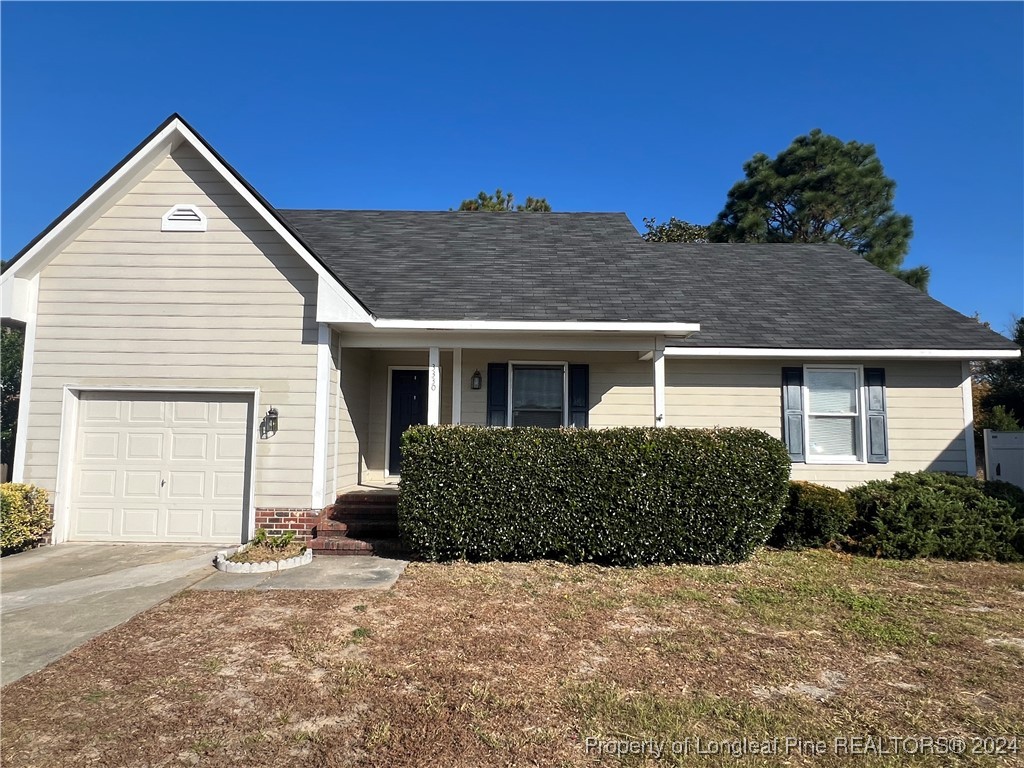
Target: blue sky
650, 109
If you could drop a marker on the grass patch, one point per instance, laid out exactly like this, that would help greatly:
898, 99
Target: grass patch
519, 663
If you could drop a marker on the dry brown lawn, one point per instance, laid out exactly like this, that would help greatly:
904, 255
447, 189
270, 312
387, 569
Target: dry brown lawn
518, 664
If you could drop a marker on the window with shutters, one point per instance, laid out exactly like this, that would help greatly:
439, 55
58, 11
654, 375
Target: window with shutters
537, 395
833, 414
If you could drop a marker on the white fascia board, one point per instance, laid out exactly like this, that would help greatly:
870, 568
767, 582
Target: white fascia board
845, 354
364, 338
541, 326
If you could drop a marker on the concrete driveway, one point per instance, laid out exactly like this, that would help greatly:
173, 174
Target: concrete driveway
54, 599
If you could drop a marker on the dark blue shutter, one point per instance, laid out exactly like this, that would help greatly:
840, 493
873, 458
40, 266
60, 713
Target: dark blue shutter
579, 396
497, 394
793, 412
878, 438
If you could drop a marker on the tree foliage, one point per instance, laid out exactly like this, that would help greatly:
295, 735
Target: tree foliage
11, 342
674, 231
821, 190
1003, 382
501, 201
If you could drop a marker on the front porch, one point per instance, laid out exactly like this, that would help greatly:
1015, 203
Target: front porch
381, 391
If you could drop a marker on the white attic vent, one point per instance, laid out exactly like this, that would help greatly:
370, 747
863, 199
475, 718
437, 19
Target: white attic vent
183, 218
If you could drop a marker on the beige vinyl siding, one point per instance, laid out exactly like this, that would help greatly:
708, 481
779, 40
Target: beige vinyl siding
621, 385
924, 411
353, 440
126, 305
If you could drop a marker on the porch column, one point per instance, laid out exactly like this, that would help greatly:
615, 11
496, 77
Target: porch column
434, 387
659, 385
457, 385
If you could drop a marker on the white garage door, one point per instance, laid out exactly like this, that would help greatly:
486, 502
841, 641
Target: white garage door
160, 467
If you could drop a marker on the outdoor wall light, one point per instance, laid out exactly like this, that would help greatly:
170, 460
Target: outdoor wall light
268, 427
476, 381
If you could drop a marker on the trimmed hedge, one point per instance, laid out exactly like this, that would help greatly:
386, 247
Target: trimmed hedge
617, 496
815, 516
928, 514
24, 516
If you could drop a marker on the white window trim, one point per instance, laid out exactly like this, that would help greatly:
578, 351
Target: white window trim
860, 422
549, 364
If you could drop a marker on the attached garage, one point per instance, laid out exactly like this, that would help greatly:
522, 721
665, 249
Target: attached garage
161, 467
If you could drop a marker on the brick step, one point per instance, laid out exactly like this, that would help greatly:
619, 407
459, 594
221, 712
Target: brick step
369, 498
338, 511
361, 527
341, 546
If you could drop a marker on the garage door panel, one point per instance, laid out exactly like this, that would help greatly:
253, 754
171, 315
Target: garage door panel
189, 447
101, 411
188, 523
224, 523
94, 522
98, 483
229, 447
146, 412
228, 485
232, 413
100, 445
144, 446
161, 467
186, 485
190, 412
141, 521
141, 484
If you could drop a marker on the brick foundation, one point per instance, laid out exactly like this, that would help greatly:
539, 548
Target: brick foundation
277, 520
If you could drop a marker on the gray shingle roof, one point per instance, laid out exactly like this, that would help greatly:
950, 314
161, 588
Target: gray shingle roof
595, 267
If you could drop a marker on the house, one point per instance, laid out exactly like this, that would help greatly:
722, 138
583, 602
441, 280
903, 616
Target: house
199, 363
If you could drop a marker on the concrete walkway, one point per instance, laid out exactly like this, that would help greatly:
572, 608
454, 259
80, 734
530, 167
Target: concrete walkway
54, 599
322, 573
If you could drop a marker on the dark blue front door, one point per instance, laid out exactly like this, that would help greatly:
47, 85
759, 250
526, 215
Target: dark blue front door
408, 407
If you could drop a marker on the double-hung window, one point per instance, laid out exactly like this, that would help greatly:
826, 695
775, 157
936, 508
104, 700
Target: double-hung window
833, 413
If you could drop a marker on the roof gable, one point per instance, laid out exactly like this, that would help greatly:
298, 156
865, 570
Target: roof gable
172, 133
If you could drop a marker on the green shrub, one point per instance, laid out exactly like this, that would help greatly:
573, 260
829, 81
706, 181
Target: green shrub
24, 516
928, 514
815, 516
619, 496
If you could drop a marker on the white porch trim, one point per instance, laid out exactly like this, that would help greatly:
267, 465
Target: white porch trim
658, 367
457, 385
320, 415
434, 386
